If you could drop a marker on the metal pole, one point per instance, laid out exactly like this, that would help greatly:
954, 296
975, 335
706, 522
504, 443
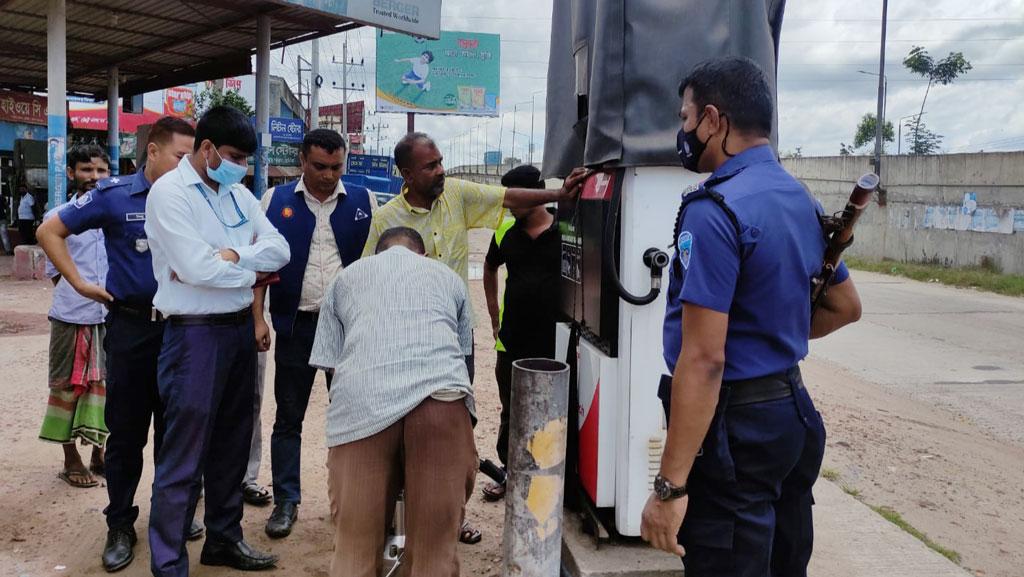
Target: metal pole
880, 116
260, 166
410, 122
532, 543
344, 90
57, 102
514, 110
532, 98
501, 154
314, 88
113, 124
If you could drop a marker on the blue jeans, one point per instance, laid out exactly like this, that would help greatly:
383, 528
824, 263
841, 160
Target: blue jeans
293, 382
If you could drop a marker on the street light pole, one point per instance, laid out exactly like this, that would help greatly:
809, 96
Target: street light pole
880, 116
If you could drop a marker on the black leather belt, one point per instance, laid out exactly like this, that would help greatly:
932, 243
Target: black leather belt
310, 315
763, 389
144, 312
235, 318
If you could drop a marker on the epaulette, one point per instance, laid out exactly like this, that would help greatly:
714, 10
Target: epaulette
112, 181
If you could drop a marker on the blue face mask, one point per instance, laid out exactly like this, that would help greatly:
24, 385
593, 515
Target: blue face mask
228, 173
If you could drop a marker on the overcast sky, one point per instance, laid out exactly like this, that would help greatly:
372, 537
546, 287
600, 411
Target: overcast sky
822, 96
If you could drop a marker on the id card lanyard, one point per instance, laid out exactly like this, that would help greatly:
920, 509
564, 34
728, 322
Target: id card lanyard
242, 220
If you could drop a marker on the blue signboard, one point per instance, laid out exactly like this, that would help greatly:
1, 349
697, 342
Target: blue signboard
286, 129
492, 157
370, 165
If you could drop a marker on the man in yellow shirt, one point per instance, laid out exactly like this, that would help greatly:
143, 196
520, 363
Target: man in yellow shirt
443, 211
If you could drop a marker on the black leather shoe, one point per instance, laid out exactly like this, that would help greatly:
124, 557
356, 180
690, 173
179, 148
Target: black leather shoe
195, 532
118, 553
236, 555
281, 520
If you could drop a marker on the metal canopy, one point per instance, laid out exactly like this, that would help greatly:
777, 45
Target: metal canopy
155, 44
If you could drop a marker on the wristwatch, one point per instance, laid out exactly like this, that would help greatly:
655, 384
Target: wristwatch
666, 491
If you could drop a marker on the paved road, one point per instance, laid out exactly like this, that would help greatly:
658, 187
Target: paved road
960, 349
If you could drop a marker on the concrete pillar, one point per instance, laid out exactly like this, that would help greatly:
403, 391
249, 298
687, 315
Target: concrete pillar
314, 87
536, 469
113, 123
261, 164
57, 102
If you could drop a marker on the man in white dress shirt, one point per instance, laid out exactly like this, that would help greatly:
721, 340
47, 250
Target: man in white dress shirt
210, 243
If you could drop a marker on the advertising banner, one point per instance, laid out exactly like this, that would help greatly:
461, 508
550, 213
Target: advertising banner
179, 101
457, 74
416, 17
286, 129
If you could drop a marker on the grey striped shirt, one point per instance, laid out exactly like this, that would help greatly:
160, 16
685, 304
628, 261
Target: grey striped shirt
396, 328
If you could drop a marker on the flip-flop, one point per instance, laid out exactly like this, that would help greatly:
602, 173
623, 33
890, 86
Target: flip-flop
493, 492
66, 477
469, 535
256, 495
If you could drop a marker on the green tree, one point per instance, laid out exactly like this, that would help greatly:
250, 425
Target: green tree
211, 97
845, 149
943, 72
866, 132
919, 139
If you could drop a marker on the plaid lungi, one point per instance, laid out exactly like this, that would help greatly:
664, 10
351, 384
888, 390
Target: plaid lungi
77, 391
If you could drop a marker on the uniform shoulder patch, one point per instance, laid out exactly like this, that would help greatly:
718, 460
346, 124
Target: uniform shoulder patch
685, 248
83, 199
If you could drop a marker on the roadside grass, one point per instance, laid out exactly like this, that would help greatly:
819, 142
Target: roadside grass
892, 516
980, 277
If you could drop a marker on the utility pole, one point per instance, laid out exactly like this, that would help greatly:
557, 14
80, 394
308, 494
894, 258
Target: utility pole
880, 115
515, 109
314, 87
345, 88
299, 69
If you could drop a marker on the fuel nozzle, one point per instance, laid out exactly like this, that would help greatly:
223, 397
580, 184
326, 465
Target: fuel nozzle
655, 259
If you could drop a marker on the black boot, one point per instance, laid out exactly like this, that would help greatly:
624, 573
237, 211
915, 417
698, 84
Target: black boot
118, 552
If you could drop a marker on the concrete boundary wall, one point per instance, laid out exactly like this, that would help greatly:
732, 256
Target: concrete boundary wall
953, 209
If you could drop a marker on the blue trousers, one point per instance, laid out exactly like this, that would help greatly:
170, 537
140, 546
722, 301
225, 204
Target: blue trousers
749, 512
207, 381
132, 345
293, 382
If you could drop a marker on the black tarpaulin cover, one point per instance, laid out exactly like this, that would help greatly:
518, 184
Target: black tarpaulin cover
627, 57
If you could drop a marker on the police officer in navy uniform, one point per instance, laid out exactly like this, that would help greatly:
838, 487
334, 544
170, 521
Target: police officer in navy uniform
745, 442
134, 328
326, 223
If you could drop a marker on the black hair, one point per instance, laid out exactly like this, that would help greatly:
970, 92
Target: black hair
85, 153
429, 55
523, 176
400, 235
163, 130
403, 150
324, 138
737, 87
226, 126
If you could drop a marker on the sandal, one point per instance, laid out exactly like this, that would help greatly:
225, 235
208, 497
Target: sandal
469, 535
256, 495
70, 477
493, 492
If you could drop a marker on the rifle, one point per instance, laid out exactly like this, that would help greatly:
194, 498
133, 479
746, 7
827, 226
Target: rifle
838, 230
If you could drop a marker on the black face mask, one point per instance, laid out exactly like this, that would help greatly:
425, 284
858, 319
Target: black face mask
690, 147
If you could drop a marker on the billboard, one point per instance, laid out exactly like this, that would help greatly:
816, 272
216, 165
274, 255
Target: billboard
492, 158
457, 74
22, 107
179, 101
417, 17
286, 129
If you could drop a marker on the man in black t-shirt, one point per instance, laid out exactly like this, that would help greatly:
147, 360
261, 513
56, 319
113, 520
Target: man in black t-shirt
524, 325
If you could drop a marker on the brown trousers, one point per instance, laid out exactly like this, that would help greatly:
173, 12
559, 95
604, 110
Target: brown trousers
432, 454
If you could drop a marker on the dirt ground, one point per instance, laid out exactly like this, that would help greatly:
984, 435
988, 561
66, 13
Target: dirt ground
941, 472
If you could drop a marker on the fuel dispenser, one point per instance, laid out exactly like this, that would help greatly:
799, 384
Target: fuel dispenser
612, 104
